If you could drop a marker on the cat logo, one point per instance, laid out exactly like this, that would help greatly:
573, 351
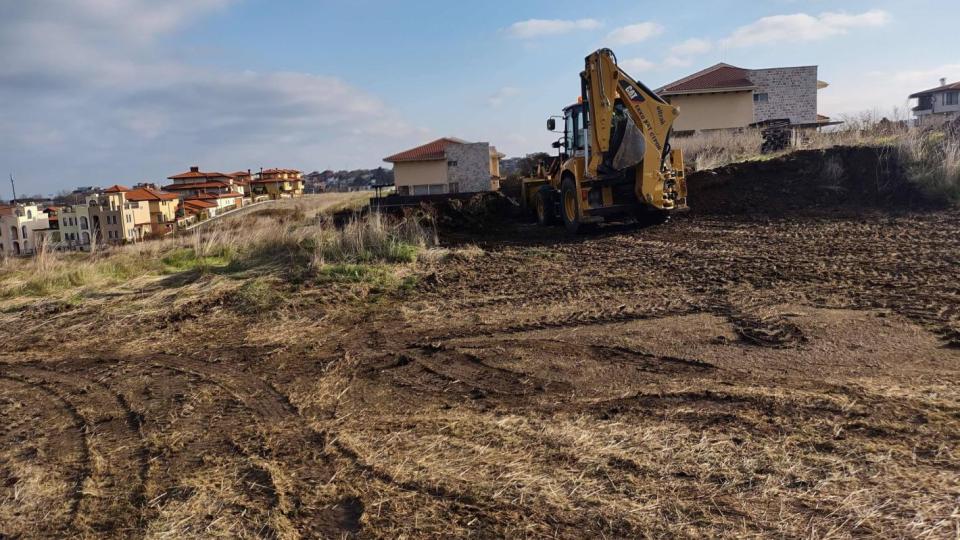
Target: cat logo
632, 93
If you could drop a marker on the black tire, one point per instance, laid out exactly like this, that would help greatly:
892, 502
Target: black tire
544, 207
651, 217
570, 205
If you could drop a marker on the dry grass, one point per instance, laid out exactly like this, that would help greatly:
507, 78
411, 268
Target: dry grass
931, 157
297, 237
713, 149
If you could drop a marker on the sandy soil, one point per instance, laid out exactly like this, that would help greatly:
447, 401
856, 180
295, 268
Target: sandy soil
710, 377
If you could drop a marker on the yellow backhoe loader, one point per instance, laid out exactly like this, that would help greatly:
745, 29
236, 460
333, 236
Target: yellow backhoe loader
615, 157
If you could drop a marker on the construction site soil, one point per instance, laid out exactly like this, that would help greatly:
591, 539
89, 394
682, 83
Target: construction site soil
735, 375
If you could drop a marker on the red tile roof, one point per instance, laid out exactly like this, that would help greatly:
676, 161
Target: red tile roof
197, 185
150, 194
713, 79
954, 86
116, 188
275, 171
197, 204
427, 152
197, 174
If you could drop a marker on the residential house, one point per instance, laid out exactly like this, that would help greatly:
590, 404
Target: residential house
75, 226
115, 219
730, 97
241, 182
277, 184
222, 202
446, 165
194, 210
161, 208
19, 224
937, 105
51, 235
195, 181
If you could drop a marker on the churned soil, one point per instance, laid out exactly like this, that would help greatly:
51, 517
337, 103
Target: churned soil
715, 376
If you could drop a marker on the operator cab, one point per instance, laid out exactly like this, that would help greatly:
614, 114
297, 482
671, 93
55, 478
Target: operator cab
573, 142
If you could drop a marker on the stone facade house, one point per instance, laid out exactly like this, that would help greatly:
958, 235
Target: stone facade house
729, 97
937, 105
446, 165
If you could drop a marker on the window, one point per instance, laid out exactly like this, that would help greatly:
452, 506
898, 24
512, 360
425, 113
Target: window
761, 97
452, 163
24, 232
129, 218
951, 98
454, 187
29, 214
84, 223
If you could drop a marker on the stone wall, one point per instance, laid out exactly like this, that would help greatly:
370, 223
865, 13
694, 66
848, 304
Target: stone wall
791, 93
468, 166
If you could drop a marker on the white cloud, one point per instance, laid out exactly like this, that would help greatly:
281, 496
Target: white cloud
889, 90
110, 104
691, 47
637, 65
534, 28
928, 78
500, 96
634, 33
677, 61
803, 27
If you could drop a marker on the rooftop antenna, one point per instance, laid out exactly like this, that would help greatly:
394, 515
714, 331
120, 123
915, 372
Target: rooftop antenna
13, 186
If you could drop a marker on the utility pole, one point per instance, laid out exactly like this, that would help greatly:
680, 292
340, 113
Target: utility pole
13, 186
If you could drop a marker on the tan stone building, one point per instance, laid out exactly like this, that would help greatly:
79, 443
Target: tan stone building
446, 165
729, 97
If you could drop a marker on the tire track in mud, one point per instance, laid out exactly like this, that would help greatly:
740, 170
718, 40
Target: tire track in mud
83, 467
111, 497
576, 319
285, 432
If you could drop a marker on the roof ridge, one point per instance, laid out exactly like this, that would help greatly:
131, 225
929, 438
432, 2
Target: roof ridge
701, 73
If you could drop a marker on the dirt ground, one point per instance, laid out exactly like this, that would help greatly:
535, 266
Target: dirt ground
735, 377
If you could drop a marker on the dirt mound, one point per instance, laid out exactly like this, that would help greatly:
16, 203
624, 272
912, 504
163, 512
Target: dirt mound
852, 178
481, 212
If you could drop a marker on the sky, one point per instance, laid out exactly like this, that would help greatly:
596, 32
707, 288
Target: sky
99, 92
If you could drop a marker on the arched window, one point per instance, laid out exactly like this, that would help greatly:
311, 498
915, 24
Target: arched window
25, 234
16, 248
14, 233
86, 237
83, 223
29, 214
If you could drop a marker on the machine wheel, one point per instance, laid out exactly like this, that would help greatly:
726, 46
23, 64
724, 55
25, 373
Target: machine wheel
543, 206
570, 204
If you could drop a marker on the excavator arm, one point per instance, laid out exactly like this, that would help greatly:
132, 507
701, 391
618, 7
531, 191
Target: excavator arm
620, 108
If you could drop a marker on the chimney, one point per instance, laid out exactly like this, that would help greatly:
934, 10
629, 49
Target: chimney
194, 169
943, 82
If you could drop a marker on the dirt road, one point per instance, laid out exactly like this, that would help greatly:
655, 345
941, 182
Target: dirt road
733, 377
